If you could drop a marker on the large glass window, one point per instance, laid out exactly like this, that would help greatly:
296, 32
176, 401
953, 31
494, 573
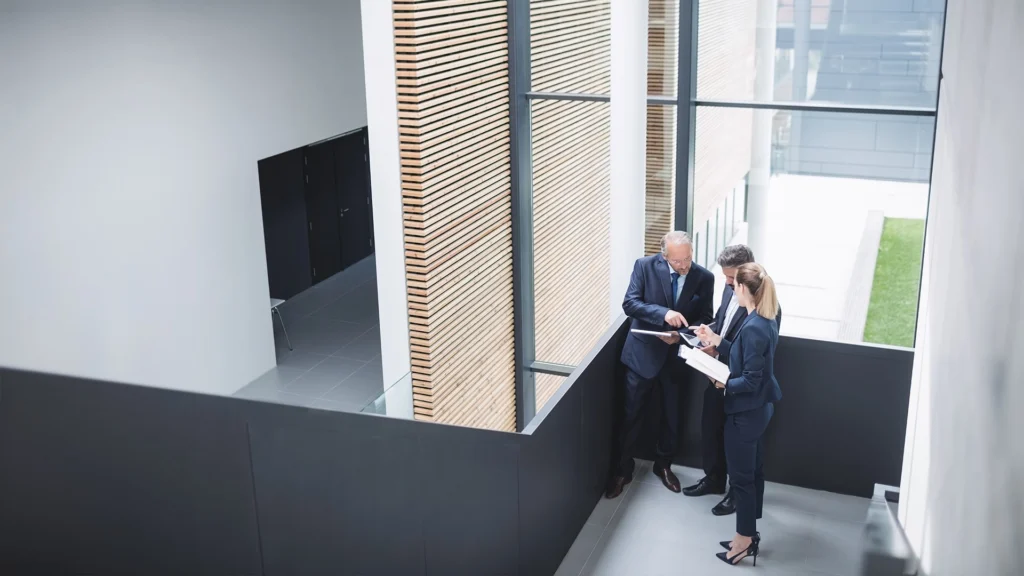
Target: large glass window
863, 52
836, 214
831, 188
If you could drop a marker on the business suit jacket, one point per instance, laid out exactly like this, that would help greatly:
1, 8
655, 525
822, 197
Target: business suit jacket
649, 298
728, 333
752, 382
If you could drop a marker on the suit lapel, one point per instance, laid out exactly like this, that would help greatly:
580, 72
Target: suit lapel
690, 286
665, 279
723, 309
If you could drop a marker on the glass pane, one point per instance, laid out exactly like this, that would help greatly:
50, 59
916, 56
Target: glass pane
547, 385
661, 175
662, 47
865, 52
835, 208
571, 227
570, 46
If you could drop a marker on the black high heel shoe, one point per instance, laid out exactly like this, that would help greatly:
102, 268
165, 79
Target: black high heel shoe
750, 551
727, 544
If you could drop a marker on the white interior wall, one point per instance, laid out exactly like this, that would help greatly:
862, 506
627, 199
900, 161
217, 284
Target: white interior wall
131, 244
385, 174
628, 147
962, 492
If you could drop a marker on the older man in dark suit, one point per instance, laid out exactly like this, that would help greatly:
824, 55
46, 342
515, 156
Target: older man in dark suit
667, 292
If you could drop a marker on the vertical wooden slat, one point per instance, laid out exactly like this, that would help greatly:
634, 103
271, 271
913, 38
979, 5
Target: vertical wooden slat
570, 46
570, 52
452, 64
662, 75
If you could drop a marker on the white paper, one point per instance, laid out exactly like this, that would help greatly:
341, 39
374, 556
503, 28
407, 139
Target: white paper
705, 364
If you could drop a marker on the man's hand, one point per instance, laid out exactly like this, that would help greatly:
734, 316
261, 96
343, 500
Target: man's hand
673, 339
675, 319
710, 351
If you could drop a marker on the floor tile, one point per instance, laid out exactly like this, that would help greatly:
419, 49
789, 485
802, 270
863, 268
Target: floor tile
336, 406
580, 551
340, 367
282, 397
604, 511
834, 546
277, 377
651, 531
365, 347
298, 359
355, 390
314, 384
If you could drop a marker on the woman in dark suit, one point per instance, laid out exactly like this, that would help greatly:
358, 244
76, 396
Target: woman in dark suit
750, 395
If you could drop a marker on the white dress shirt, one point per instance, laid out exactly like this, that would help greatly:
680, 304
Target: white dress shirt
730, 313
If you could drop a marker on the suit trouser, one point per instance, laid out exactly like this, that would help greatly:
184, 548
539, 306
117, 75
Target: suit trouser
638, 395
712, 433
744, 451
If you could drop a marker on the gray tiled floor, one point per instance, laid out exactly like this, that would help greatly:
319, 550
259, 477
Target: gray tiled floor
649, 531
335, 334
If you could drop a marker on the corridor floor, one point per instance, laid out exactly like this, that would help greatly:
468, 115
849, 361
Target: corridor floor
336, 362
649, 531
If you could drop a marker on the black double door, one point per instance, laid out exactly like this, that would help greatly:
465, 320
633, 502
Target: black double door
317, 215
338, 204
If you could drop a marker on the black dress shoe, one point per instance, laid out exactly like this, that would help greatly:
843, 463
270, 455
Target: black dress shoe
707, 485
668, 478
615, 486
726, 506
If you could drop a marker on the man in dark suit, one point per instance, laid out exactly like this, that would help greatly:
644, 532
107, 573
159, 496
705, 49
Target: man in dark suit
727, 322
667, 292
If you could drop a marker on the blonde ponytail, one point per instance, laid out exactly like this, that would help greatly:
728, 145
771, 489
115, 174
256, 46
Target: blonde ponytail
753, 277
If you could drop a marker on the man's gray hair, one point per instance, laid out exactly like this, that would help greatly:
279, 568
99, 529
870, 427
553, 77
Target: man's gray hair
735, 256
674, 238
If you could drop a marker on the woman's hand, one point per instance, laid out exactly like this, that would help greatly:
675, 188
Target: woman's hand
719, 385
705, 333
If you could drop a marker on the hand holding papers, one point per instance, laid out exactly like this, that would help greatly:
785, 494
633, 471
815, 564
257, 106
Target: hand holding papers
705, 364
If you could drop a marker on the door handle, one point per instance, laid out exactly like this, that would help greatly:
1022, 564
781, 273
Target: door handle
341, 213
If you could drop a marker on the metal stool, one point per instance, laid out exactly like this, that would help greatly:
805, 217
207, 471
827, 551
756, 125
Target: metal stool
274, 303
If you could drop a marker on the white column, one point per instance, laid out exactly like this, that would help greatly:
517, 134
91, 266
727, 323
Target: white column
628, 145
963, 478
761, 136
385, 178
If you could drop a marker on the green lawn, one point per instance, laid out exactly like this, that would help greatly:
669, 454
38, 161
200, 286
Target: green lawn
893, 309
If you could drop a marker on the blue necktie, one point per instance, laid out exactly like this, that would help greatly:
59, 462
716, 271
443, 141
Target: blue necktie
675, 286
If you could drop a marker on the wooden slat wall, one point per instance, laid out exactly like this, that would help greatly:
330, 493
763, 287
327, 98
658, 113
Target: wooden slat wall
725, 55
662, 47
570, 46
546, 386
662, 76
453, 108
